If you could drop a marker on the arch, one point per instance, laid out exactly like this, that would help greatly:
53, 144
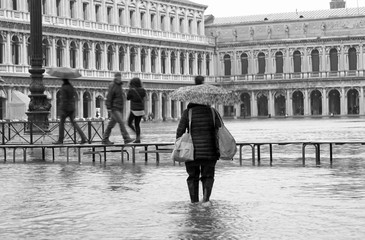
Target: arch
315, 60
85, 55
121, 53
154, 109
333, 60
154, 55
191, 63
143, 60
59, 53
334, 102
245, 105
200, 63
163, 62
182, 63
86, 104
279, 62
15, 50
207, 64
262, 105
98, 56
28, 51
110, 57
298, 103
73, 54
316, 102
280, 104
261, 62
173, 62
164, 107
297, 58
244, 64
353, 101
352, 55
227, 64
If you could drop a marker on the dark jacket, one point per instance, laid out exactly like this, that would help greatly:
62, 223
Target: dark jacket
68, 94
114, 98
137, 100
202, 132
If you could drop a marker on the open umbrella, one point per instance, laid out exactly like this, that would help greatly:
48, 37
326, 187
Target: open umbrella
206, 94
64, 72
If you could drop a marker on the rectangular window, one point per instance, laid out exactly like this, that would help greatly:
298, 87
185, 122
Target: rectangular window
44, 7
162, 23
110, 15
131, 18
198, 26
97, 13
15, 5
121, 16
152, 21
58, 8
72, 9
172, 25
85, 14
181, 24
142, 20
190, 26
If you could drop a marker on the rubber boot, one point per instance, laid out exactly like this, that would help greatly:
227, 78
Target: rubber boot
207, 189
194, 191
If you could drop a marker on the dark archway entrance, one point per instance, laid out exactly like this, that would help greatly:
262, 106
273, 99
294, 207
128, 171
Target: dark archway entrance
298, 103
316, 103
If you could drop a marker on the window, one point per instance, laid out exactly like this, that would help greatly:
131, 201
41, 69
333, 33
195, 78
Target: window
85, 56
44, 7
85, 11
98, 54
58, 8
262, 62
162, 23
333, 60
173, 63
163, 62
121, 54
131, 19
109, 13
28, 51
279, 62
182, 63
297, 61
121, 17
227, 65
15, 50
244, 64
190, 26
97, 13
110, 58
2, 50
207, 64
200, 62
59, 53
172, 24
153, 16
352, 59
153, 61
143, 60
15, 5
133, 55
143, 23
181, 24
72, 9
46, 52
191, 63
198, 27
73, 54
315, 60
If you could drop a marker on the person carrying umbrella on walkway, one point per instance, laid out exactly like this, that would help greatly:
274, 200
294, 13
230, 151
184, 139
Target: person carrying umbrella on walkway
202, 130
67, 103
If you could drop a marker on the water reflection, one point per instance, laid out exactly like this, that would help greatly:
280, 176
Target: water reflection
46, 200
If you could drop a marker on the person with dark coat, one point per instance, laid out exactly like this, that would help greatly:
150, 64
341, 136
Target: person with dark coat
206, 152
114, 104
67, 108
136, 95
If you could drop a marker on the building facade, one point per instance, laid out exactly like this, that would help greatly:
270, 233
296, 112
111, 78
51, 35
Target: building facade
290, 64
162, 42
293, 64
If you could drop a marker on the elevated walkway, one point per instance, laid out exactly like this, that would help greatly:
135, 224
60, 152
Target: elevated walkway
129, 151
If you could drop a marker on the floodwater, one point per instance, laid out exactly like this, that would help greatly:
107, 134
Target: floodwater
59, 200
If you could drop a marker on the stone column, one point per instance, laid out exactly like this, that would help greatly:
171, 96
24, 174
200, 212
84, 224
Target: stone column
289, 103
325, 103
307, 108
254, 104
361, 101
271, 104
343, 110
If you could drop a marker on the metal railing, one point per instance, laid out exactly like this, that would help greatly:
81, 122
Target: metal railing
24, 132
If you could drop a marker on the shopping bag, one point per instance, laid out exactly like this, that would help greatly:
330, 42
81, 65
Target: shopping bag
184, 149
226, 142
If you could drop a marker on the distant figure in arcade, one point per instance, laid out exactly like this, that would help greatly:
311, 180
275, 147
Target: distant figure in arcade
67, 108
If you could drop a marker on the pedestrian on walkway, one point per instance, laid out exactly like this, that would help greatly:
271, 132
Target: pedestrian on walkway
136, 94
206, 153
114, 104
67, 108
